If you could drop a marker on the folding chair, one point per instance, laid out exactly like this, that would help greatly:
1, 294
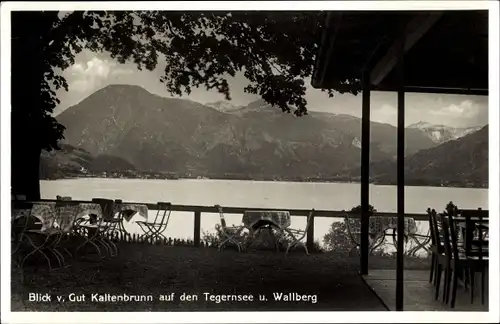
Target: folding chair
34, 239
119, 217
154, 230
297, 236
93, 229
65, 218
230, 233
21, 221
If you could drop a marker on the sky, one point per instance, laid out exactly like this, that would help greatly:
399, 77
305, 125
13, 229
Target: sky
92, 72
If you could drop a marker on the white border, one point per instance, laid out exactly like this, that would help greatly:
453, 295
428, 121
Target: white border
253, 317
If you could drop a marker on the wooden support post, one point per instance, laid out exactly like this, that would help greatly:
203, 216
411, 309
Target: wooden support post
400, 182
310, 234
197, 228
365, 172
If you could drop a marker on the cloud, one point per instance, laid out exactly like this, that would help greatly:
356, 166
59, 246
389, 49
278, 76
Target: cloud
119, 71
464, 109
385, 114
91, 74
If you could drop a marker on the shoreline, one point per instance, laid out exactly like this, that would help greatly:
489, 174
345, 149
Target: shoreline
271, 181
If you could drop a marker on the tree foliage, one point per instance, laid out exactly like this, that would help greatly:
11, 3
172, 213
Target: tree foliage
274, 50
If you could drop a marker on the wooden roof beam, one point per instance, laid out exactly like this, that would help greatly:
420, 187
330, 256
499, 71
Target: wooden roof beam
328, 38
415, 29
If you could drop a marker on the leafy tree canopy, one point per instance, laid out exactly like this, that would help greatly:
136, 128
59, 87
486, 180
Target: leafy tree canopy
274, 50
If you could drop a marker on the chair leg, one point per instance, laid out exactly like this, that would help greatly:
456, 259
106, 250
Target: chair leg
433, 264
483, 277
436, 270
438, 280
222, 244
59, 257
446, 287
454, 289
472, 274
451, 273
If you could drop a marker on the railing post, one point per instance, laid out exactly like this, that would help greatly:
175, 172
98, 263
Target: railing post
310, 234
197, 228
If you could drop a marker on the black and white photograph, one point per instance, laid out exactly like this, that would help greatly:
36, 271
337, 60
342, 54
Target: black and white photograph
249, 161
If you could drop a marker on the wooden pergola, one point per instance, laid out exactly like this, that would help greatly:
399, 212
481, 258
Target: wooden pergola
400, 51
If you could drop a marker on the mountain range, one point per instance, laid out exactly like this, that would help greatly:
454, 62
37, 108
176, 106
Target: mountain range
459, 162
123, 128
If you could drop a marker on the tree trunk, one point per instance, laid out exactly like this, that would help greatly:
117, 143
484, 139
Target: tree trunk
29, 101
25, 169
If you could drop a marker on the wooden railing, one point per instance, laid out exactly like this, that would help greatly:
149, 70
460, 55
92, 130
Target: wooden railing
197, 210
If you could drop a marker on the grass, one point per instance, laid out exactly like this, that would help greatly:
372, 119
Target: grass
156, 270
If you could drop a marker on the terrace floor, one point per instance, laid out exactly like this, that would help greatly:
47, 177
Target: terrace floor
419, 292
159, 270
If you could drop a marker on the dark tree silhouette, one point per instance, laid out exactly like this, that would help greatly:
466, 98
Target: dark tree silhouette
274, 50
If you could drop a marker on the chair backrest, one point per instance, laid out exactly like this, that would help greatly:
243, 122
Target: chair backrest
354, 224
437, 231
474, 219
474, 213
65, 215
451, 232
310, 219
221, 215
107, 206
163, 213
431, 226
354, 234
444, 228
20, 224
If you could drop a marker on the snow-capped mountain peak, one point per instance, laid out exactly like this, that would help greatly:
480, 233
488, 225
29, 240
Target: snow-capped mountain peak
443, 133
421, 125
223, 106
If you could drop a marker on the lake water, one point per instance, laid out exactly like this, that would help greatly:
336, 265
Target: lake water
262, 194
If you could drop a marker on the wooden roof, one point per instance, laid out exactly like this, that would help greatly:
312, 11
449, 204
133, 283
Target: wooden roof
445, 51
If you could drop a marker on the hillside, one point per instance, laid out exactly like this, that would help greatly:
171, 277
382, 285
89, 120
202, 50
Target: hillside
461, 162
130, 128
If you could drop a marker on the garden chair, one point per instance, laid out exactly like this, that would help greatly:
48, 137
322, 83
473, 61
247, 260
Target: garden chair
433, 248
154, 230
35, 240
442, 256
18, 232
470, 258
93, 229
118, 219
297, 236
62, 231
230, 234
